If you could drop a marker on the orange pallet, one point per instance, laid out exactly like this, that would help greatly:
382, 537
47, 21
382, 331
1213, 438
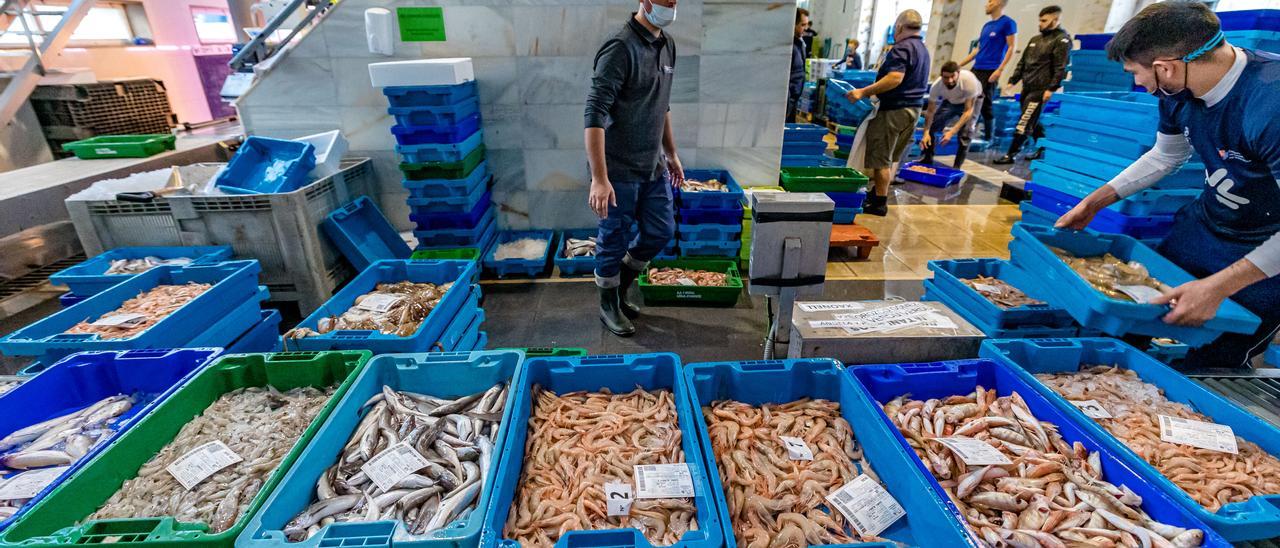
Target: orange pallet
856, 236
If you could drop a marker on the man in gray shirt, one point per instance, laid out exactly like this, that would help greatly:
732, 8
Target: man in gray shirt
632, 155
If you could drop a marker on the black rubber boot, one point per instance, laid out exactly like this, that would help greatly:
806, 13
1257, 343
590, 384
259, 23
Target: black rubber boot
611, 313
876, 205
628, 278
1003, 160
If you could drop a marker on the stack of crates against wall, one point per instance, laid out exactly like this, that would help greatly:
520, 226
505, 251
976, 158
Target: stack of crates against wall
1252, 29
804, 145
709, 222
441, 146
1091, 70
72, 112
1005, 121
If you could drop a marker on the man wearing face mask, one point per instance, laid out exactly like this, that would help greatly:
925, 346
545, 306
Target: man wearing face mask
1041, 70
632, 155
952, 96
1222, 102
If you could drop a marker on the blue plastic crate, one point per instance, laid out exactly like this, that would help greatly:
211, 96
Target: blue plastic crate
234, 283
618, 374
1144, 203
447, 152
710, 232
480, 342
1258, 40
437, 220
1167, 352
1106, 166
1062, 287
711, 200
88, 279
1250, 20
447, 188
263, 337
1123, 109
941, 379
363, 234
445, 375
430, 96
1093, 41
932, 293
709, 249
233, 325
1113, 78
845, 215
1138, 226
848, 199
32, 369
451, 204
803, 148
712, 216
1093, 59
521, 267
436, 116
1031, 214
813, 160
1255, 519
845, 141
68, 300
460, 273
80, 380
1272, 356
926, 523
1128, 142
264, 165
803, 132
437, 135
576, 266
1081, 86
486, 238
944, 177
672, 251
948, 273
464, 324
458, 237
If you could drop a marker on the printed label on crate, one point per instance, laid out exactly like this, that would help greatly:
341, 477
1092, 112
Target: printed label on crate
1205, 435
379, 302
202, 462
797, 449
866, 505
826, 307
618, 498
397, 462
663, 481
128, 319
1139, 293
1092, 409
29, 484
985, 288
686, 282
974, 452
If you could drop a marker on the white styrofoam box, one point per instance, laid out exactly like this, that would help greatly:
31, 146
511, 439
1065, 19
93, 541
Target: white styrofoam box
421, 72
331, 146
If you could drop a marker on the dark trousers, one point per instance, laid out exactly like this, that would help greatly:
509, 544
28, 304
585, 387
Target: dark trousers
988, 94
647, 203
945, 114
1029, 123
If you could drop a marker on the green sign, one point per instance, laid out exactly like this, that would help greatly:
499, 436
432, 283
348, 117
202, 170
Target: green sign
421, 24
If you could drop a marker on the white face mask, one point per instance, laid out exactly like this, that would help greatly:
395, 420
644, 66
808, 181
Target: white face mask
660, 16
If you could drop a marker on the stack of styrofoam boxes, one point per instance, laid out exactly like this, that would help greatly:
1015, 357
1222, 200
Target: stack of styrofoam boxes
710, 223
1252, 29
437, 110
1092, 71
1094, 137
805, 145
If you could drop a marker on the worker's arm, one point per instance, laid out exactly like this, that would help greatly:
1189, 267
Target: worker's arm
928, 118
674, 167
1008, 56
962, 122
1017, 69
890, 81
973, 54
611, 68
1061, 55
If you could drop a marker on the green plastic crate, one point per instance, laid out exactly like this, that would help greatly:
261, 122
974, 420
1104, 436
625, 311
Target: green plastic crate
120, 146
58, 519
680, 295
452, 253
443, 170
846, 130
841, 154
550, 352
822, 179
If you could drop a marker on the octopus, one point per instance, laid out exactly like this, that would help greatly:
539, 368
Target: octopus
401, 309
1106, 272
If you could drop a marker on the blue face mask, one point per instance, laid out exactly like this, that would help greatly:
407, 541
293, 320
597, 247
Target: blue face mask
1185, 94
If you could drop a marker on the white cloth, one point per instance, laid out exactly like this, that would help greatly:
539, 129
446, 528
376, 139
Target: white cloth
858, 152
967, 87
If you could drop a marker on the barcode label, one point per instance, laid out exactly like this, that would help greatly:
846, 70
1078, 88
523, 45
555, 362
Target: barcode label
867, 506
663, 481
1205, 435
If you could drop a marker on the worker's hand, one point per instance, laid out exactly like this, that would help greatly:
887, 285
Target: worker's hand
1194, 303
676, 170
946, 137
926, 139
1010, 89
1082, 214
995, 76
602, 197
855, 95
1047, 95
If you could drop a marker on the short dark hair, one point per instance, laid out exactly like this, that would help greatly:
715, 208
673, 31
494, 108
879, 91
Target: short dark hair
950, 67
1165, 29
800, 13
1050, 10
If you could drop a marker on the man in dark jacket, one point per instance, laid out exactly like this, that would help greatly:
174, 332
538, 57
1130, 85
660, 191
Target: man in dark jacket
798, 54
1041, 70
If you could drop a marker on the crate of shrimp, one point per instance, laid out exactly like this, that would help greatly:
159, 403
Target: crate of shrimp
1018, 469
562, 472
577, 252
462, 397
229, 433
50, 432
837, 476
689, 282
1156, 420
165, 307
990, 294
117, 265
1106, 280
393, 306
521, 253
709, 189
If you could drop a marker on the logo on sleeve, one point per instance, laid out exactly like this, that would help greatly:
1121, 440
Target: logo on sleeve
1227, 154
1219, 181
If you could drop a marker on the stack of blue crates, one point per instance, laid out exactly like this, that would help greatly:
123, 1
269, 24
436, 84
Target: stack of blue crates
438, 131
839, 109
1252, 29
1092, 71
710, 223
804, 145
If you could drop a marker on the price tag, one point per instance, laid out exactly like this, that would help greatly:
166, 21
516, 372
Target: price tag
686, 281
202, 462
797, 449
1092, 409
984, 288
129, 319
618, 498
824, 307
663, 481
866, 505
397, 462
1205, 435
29, 484
1139, 293
974, 452
379, 302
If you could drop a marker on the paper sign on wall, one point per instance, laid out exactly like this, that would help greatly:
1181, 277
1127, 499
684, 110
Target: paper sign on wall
421, 24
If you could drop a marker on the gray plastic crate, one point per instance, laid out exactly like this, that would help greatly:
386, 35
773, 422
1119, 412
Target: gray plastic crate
282, 231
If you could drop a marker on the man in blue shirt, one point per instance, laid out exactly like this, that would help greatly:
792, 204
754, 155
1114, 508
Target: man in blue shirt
1222, 102
799, 52
995, 50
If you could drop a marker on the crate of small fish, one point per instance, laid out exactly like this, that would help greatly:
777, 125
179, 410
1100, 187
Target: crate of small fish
165, 307
56, 422
117, 265
577, 252
800, 425
521, 253
1214, 458
1105, 281
709, 189
393, 306
932, 293
1017, 468
194, 470
932, 175
691, 282
447, 413
558, 460
991, 294
822, 179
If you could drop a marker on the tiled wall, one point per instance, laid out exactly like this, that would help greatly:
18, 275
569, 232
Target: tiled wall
533, 62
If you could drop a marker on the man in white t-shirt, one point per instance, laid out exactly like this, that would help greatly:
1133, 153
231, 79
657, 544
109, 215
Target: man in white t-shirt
951, 97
